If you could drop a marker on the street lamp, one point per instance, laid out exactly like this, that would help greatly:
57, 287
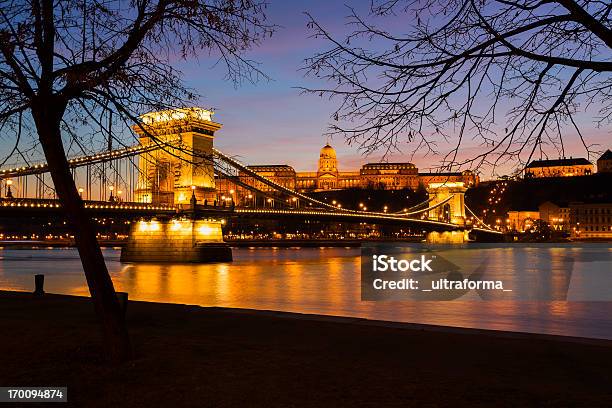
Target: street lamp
111, 198
81, 192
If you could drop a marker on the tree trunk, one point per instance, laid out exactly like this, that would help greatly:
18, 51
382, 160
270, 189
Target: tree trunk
47, 118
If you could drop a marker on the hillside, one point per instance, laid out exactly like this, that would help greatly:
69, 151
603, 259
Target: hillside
528, 194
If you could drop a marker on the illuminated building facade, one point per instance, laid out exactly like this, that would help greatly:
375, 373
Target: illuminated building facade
591, 220
556, 215
389, 176
522, 220
281, 174
559, 168
386, 176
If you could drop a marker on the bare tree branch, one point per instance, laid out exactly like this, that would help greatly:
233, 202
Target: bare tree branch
458, 64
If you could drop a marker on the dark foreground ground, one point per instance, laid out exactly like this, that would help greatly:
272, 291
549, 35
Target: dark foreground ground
201, 357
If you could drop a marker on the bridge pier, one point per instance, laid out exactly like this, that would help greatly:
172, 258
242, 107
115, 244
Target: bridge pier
179, 241
447, 237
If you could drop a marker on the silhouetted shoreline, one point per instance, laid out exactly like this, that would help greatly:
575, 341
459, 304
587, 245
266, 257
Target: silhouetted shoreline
194, 356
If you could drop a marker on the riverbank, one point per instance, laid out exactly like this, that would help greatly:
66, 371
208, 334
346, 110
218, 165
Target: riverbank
275, 243
236, 243
315, 243
193, 356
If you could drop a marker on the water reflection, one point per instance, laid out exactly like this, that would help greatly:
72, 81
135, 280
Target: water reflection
318, 280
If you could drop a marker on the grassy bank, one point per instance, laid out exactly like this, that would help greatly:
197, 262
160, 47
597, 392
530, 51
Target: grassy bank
192, 356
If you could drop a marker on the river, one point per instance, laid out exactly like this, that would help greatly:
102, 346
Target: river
304, 280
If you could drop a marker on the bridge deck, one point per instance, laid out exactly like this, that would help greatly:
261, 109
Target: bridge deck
130, 209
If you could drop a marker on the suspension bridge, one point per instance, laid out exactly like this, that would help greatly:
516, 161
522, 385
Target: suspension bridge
175, 173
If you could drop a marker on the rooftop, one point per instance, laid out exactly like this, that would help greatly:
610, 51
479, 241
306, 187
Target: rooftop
606, 156
380, 165
580, 161
457, 173
177, 114
275, 166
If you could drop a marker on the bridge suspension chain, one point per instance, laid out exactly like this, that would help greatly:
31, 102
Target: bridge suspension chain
414, 207
486, 226
235, 179
235, 163
79, 161
232, 165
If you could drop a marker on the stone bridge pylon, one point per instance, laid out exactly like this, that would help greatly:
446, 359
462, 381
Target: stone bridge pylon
453, 210
452, 194
179, 170
183, 165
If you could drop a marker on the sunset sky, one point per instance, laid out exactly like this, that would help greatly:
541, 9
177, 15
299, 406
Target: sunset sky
272, 123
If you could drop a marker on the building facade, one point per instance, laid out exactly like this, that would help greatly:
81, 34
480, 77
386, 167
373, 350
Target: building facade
559, 168
604, 163
591, 220
522, 220
385, 176
389, 176
556, 215
279, 173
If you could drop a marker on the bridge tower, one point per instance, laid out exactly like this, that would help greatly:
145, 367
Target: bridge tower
183, 163
179, 166
452, 211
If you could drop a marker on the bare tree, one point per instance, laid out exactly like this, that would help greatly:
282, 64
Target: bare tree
66, 64
511, 74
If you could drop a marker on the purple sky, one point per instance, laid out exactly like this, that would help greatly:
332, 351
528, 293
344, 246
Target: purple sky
272, 123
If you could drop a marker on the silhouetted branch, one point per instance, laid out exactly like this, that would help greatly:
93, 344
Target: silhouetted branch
457, 66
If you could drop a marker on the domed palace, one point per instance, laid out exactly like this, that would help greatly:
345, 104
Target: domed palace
387, 176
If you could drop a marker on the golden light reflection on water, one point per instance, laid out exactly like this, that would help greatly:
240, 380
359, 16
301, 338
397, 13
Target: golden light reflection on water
321, 281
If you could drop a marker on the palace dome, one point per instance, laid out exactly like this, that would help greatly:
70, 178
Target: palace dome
327, 152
